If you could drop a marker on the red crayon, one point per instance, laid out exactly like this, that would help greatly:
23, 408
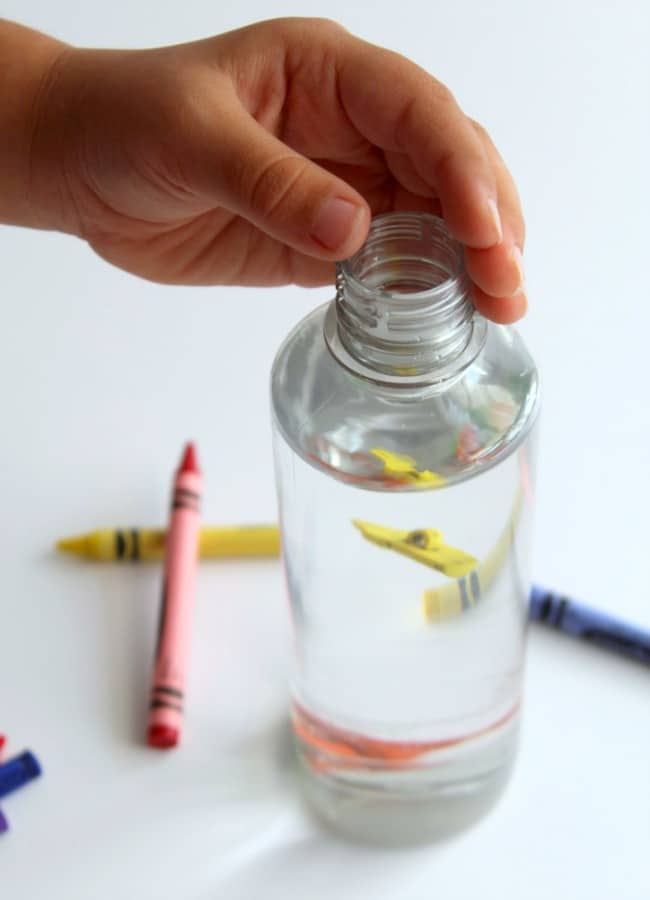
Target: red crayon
175, 626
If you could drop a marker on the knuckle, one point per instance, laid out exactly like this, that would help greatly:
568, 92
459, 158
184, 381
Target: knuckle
324, 27
403, 121
319, 28
321, 22
329, 28
441, 94
274, 183
480, 130
446, 162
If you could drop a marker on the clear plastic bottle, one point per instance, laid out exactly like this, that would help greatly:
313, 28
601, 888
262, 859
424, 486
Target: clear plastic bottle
403, 433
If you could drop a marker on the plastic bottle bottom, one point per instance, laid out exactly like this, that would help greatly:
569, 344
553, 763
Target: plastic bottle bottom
405, 802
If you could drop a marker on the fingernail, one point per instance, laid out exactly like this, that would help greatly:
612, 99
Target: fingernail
335, 222
493, 211
518, 263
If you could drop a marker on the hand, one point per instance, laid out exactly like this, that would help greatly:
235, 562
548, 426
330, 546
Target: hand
258, 157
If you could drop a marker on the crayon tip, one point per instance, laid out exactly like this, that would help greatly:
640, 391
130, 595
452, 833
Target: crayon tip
72, 545
189, 461
162, 736
4, 824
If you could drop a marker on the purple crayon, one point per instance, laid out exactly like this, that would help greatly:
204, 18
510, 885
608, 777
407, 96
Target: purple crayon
17, 771
590, 625
4, 824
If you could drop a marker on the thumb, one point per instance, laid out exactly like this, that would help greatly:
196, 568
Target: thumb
286, 195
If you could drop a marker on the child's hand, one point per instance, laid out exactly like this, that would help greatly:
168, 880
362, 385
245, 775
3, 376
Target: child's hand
257, 157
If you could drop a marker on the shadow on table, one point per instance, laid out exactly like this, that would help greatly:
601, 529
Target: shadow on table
307, 863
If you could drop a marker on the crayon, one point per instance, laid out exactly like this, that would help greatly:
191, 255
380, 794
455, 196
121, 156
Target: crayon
455, 597
4, 823
404, 470
327, 746
424, 545
590, 625
145, 544
17, 771
553, 609
174, 629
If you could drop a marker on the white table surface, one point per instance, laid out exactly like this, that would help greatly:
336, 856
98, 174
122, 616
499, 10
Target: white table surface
102, 378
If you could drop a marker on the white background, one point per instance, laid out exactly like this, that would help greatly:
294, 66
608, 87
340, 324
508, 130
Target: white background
102, 378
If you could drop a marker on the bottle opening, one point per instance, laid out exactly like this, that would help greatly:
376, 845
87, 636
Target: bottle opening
403, 312
406, 253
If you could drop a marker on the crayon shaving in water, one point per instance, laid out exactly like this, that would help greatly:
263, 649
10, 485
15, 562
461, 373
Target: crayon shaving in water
403, 469
378, 467
424, 545
329, 747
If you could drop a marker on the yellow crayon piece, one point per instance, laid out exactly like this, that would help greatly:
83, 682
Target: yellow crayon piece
404, 469
424, 545
458, 596
215, 542
440, 604
452, 599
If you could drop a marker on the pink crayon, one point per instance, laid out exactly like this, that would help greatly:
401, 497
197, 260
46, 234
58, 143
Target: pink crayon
175, 626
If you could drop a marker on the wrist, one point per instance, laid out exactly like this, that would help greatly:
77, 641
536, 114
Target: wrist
31, 169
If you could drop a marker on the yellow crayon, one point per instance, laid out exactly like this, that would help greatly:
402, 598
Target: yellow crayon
425, 545
215, 542
403, 469
458, 596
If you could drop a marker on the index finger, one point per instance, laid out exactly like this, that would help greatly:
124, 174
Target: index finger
399, 107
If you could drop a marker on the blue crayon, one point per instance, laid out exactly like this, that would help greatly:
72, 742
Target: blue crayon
18, 771
591, 625
4, 825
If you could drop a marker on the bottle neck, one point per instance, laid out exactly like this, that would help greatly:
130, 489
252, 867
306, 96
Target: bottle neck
402, 314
